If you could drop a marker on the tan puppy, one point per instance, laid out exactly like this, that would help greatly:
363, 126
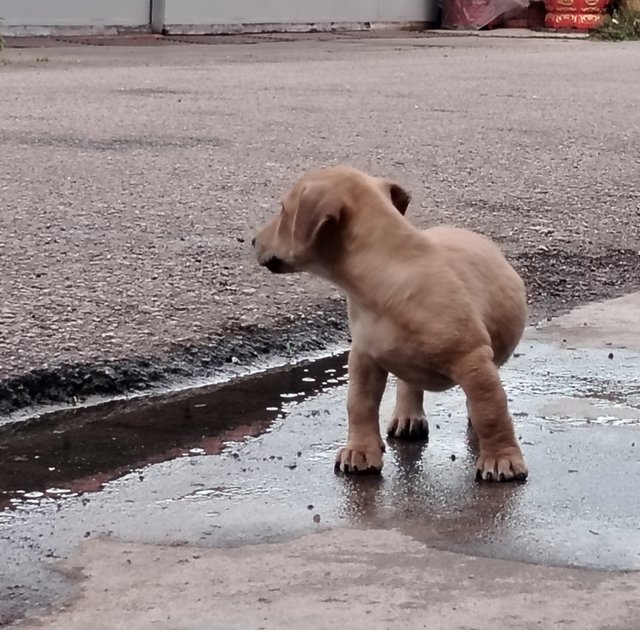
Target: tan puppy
437, 308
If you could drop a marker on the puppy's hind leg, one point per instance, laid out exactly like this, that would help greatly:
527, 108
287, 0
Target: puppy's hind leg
408, 421
500, 455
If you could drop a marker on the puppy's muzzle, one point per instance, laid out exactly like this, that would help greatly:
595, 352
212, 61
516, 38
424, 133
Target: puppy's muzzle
274, 265
271, 262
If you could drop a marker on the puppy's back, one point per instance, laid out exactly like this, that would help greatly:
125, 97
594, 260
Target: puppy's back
497, 290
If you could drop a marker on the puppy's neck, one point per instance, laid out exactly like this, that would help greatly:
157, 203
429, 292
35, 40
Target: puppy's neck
369, 260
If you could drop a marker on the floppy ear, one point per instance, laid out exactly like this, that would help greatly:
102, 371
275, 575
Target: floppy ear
318, 206
400, 198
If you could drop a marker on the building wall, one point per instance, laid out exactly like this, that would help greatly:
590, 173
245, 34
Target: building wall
42, 16
212, 13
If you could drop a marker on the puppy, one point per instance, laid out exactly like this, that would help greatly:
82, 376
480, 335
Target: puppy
436, 308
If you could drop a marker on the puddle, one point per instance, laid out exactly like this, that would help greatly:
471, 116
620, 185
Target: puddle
252, 462
65, 453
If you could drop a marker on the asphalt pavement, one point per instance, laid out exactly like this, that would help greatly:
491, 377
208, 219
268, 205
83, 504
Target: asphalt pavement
133, 177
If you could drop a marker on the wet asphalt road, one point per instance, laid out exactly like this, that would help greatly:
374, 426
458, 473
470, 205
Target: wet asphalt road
270, 476
132, 180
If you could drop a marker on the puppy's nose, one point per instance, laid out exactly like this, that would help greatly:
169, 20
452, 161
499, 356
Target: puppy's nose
253, 242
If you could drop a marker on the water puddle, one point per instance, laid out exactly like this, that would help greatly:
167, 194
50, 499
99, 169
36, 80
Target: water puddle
71, 452
275, 437
68, 453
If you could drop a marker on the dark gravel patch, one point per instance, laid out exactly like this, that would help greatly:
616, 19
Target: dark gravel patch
559, 279
245, 345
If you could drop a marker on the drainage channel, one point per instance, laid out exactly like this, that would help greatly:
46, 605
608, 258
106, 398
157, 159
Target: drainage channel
71, 452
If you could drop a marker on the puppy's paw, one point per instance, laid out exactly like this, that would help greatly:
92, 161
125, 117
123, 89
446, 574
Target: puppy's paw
360, 459
502, 465
408, 427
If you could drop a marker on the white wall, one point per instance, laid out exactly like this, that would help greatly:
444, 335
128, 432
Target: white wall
243, 12
42, 17
54, 14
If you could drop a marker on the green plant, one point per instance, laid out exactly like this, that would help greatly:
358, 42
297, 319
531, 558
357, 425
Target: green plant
1, 38
623, 24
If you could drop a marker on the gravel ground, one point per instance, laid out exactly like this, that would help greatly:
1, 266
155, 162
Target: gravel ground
132, 180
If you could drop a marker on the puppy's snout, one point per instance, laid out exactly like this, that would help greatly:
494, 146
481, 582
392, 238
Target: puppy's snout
266, 246
274, 265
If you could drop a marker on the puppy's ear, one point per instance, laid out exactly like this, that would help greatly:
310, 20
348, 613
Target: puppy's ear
400, 198
318, 206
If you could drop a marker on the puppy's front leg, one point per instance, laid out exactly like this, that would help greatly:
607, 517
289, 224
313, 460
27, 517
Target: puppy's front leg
408, 421
500, 455
364, 449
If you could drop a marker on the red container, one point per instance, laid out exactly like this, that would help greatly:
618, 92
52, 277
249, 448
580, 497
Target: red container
576, 6
581, 21
584, 15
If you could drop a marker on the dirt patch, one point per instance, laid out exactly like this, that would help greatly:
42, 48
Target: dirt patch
559, 279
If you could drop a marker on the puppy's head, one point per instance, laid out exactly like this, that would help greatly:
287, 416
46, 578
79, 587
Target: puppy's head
313, 213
